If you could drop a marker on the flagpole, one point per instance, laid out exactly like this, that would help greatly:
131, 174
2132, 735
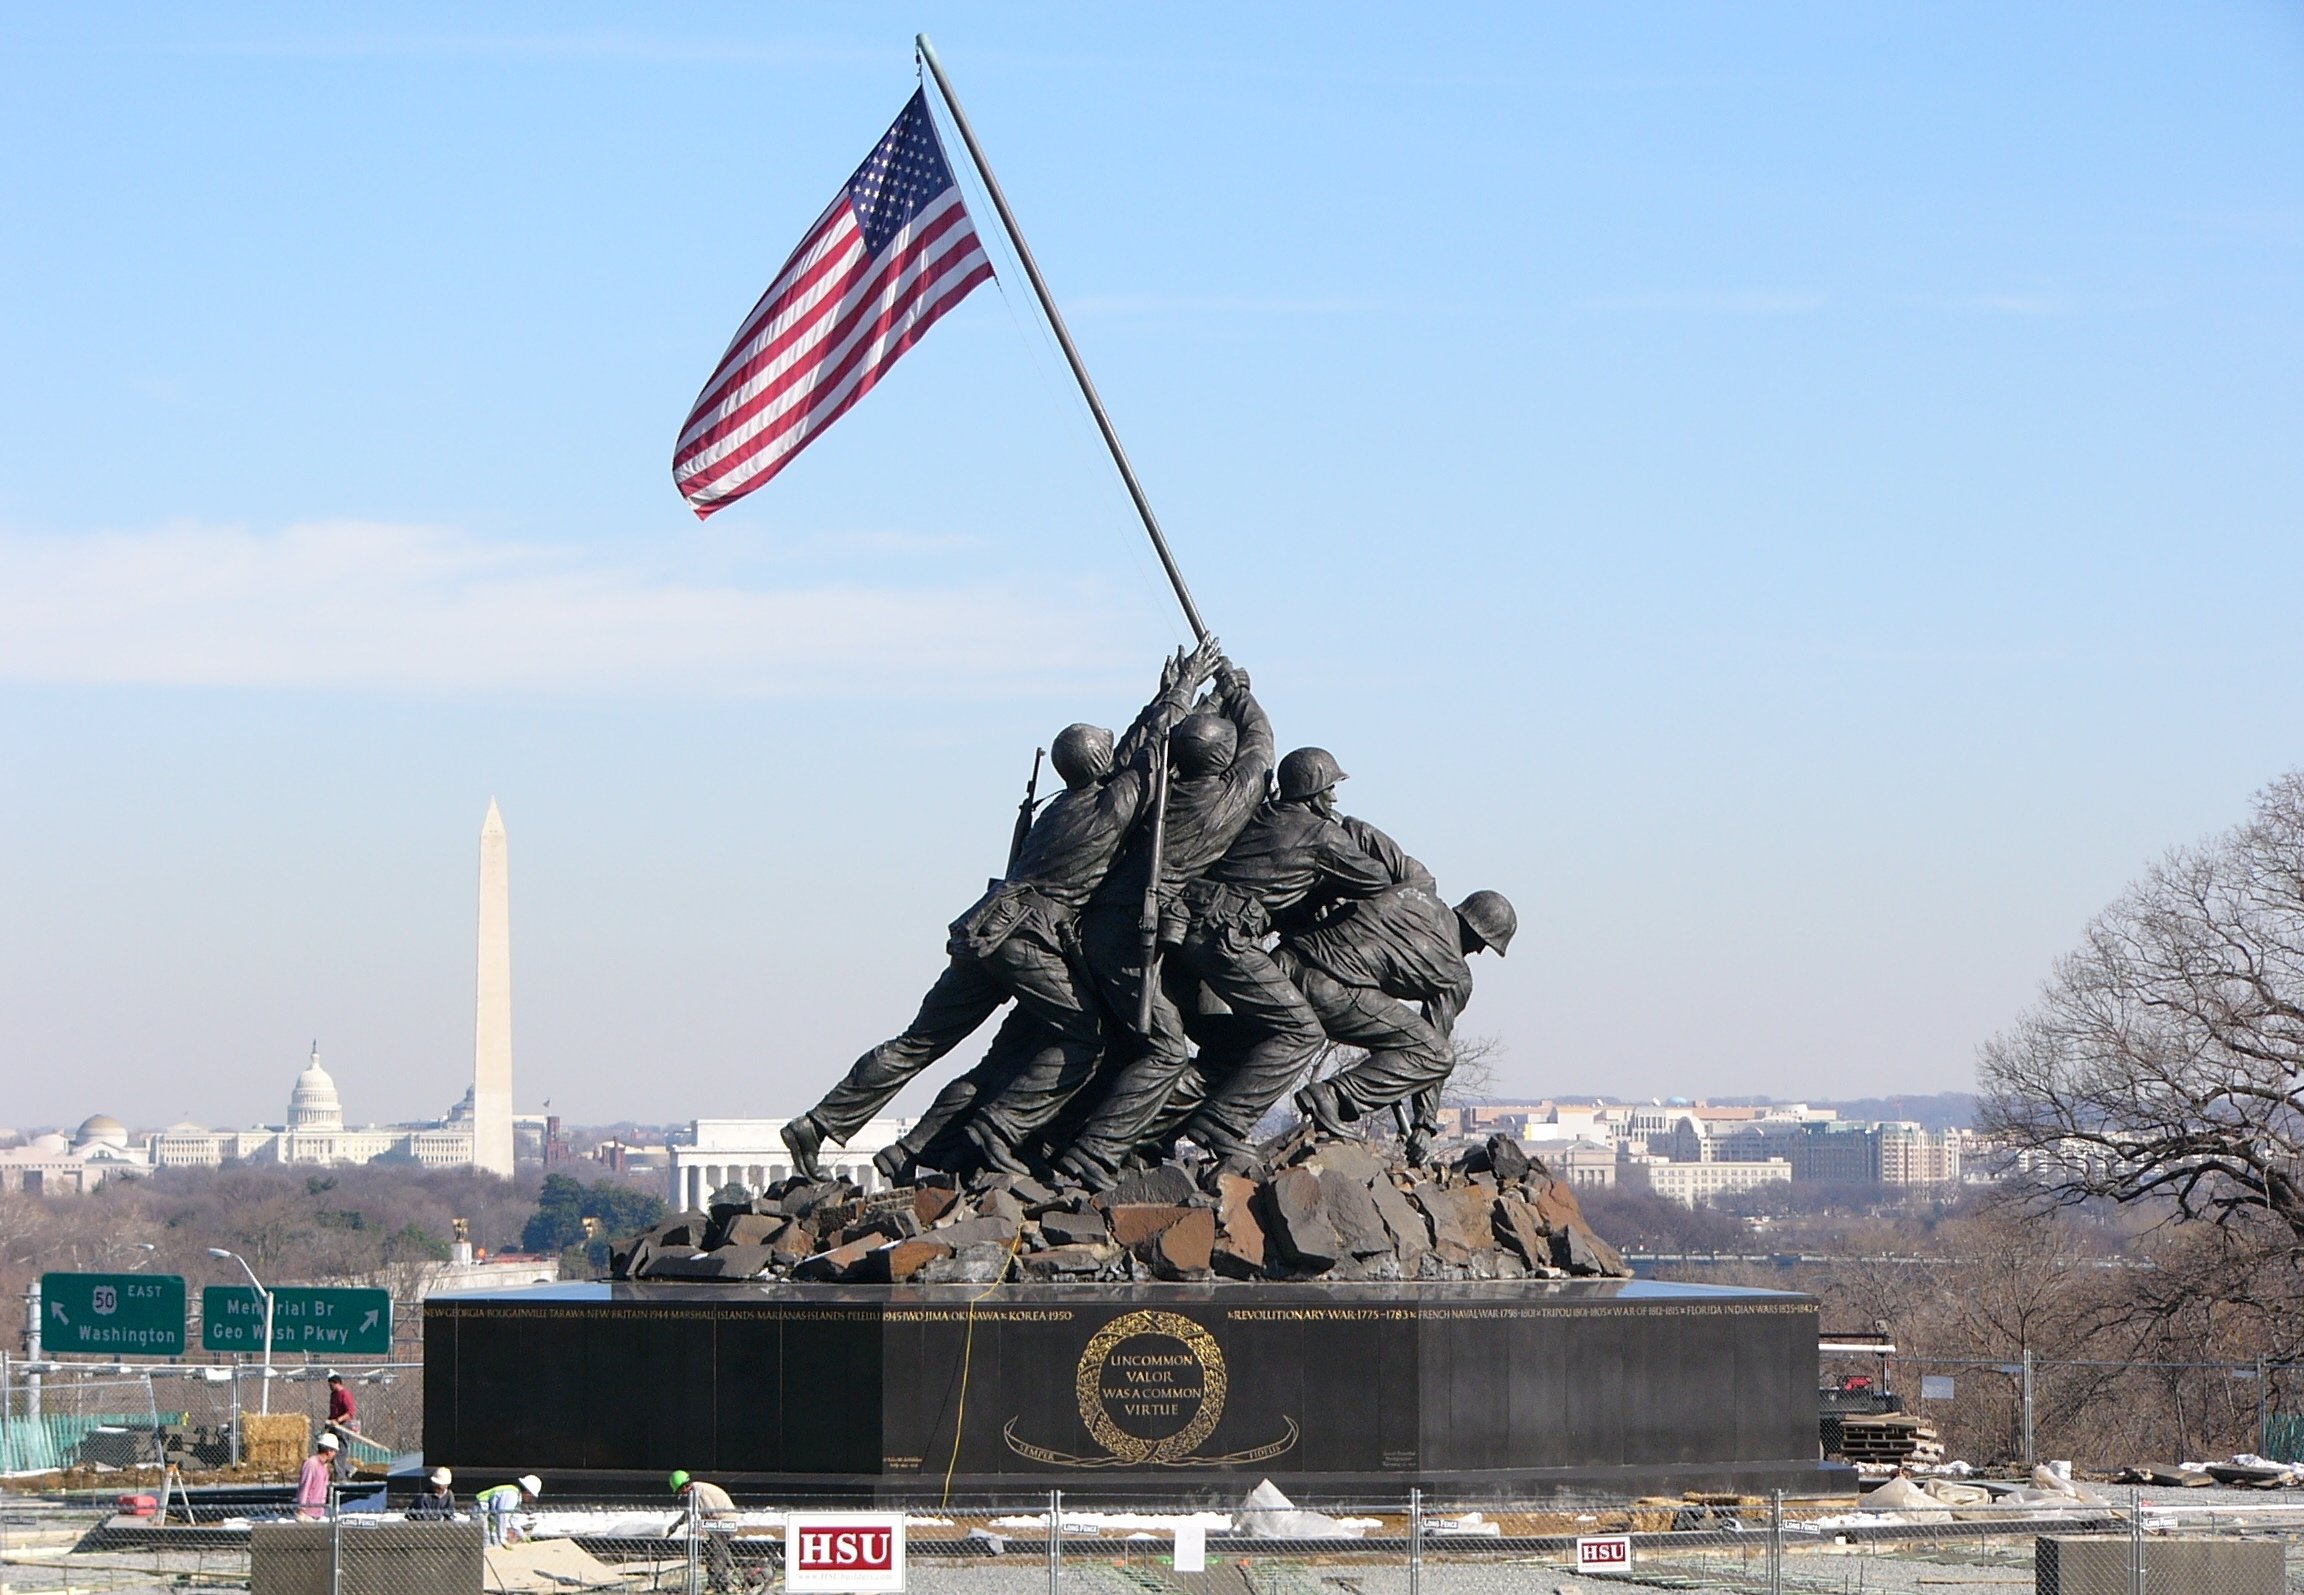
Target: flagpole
1064, 338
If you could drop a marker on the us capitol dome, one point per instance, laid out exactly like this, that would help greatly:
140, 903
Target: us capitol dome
313, 1105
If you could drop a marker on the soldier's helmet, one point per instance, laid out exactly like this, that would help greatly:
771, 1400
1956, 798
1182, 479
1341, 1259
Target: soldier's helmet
1491, 917
1081, 753
1203, 744
1307, 771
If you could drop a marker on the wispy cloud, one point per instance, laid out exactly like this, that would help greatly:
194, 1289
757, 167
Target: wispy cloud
604, 44
1710, 302
1090, 306
366, 606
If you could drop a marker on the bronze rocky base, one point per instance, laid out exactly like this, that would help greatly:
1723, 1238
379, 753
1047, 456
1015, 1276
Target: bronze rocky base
1311, 1208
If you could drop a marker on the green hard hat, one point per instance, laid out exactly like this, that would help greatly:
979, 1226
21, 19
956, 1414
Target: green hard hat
679, 1478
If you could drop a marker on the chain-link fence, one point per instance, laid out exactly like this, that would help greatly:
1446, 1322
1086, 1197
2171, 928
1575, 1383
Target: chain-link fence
65, 1416
2021, 1408
2100, 1414
1969, 1540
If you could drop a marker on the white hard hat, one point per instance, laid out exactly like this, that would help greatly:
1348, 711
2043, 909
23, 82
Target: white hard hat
329, 1442
532, 1484
441, 1476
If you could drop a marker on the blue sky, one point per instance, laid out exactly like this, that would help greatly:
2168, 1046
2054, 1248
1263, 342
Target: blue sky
1802, 498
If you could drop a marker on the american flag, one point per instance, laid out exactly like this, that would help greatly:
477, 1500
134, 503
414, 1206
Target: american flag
895, 251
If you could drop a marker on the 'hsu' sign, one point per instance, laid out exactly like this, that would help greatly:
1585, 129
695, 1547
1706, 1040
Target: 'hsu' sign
844, 1551
1604, 1553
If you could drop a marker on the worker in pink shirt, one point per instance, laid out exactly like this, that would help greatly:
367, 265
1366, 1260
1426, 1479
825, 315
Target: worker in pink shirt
319, 1472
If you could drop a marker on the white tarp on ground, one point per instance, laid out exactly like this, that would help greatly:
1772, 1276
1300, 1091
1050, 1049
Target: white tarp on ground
548, 1565
1269, 1515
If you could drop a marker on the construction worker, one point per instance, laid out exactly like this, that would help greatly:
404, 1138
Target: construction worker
319, 1473
711, 1516
499, 1503
437, 1501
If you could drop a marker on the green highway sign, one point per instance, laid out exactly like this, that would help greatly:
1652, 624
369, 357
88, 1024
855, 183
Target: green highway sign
120, 1315
342, 1319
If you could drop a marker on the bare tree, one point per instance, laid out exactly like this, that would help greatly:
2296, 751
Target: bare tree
2164, 1060
1472, 1074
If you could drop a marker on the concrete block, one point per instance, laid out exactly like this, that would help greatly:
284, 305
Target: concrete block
2076, 1565
380, 1558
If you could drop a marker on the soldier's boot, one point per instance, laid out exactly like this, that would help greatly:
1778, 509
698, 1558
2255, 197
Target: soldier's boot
997, 1155
1085, 1168
1320, 1103
804, 1138
1219, 1143
895, 1163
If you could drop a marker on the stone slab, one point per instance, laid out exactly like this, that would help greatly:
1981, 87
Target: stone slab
2086, 1565
1148, 1390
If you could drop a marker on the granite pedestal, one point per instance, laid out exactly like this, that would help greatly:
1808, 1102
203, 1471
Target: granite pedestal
1151, 1391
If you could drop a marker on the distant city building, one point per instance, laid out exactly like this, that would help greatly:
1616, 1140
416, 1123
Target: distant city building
751, 1153
1581, 1163
50, 1165
630, 1157
1699, 1182
315, 1133
481, 1130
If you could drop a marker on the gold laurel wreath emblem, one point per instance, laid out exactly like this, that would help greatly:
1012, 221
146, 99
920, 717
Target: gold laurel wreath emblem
1123, 1449
1088, 1387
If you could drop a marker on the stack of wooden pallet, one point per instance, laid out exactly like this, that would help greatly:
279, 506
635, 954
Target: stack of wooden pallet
1894, 1439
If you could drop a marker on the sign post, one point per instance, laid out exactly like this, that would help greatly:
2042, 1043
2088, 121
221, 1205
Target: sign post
119, 1315
342, 1320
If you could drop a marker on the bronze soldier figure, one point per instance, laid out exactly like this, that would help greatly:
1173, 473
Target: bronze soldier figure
1362, 969
1016, 941
1293, 862
1218, 760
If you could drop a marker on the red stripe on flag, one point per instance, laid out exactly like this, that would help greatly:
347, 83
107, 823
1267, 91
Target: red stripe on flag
833, 320
925, 316
850, 299
833, 337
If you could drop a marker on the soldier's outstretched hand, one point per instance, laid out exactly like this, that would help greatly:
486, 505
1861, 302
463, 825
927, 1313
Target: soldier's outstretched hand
1205, 659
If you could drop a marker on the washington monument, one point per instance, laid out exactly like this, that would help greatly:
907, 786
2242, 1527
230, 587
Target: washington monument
492, 1029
